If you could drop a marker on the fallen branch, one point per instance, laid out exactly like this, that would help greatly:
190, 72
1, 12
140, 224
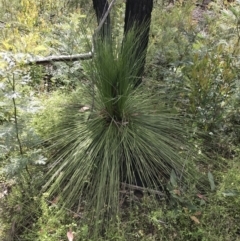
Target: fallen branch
61, 58
144, 189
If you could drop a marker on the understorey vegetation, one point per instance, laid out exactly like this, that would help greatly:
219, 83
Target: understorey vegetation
108, 135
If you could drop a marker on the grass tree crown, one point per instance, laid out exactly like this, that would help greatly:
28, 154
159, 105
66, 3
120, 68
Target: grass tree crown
120, 134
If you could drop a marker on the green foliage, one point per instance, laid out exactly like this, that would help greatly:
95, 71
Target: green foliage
16, 141
19, 155
101, 131
20, 205
52, 224
46, 118
230, 185
200, 61
151, 220
45, 28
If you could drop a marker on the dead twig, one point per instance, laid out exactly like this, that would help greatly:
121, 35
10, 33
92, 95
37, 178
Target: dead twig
144, 189
61, 58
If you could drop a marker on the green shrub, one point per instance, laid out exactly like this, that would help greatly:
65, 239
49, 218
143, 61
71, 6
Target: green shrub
20, 207
50, 106
197, 66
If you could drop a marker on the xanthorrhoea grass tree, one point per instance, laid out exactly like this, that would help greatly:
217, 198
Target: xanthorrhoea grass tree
124, 134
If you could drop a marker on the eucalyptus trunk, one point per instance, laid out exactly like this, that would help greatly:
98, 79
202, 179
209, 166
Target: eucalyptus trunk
100, 7
138, 14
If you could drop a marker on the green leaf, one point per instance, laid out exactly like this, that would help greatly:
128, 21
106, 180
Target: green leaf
173, 178
2, 104
202, 202
211, 181
41, 160
230, 193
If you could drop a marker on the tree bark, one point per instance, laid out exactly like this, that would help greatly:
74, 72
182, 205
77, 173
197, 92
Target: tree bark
138, 14
100, 7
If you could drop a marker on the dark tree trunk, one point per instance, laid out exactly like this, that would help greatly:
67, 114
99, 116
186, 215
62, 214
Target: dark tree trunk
138, 13
100, 7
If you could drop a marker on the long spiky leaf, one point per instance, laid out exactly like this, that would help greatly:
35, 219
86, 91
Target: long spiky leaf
125, 137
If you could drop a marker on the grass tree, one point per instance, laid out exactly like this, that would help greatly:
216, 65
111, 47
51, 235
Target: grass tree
112, 132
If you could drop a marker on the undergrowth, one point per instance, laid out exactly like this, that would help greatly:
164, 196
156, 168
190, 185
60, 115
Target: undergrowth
193, 66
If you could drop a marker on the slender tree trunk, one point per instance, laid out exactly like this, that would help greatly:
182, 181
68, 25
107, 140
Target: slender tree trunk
100, 7
138, 13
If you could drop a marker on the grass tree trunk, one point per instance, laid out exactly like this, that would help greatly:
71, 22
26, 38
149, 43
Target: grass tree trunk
100, 7
138, 14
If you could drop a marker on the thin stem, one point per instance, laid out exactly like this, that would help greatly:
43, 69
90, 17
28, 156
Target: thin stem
134, 187
16, 124
15, 118
238, 34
